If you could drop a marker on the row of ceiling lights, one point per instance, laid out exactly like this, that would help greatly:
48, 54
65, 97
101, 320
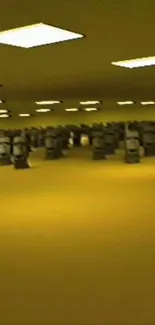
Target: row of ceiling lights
52, 102
5, 113
95, 102
132, 102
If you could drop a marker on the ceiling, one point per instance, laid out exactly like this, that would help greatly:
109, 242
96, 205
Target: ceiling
80, 69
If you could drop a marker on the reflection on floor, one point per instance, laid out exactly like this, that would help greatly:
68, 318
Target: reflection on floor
77, 242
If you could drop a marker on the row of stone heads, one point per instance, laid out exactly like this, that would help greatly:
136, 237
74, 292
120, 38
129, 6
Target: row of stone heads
83, 128
64, 127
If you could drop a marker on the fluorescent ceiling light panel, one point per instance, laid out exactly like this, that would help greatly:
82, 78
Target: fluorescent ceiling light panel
43, 110
36, 35
136, 63
24, 115
91, 109
4, 115
71, 109
90, 102
3, 111
129, 102
48, 102
148, 103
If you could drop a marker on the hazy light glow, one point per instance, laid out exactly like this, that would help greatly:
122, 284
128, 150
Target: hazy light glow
43, 110
71, 109
4, 115
136, 63
48, 102
1, 101
91, 109
129, 102
90, 102
3, 111
24, 115
148, 103
36, 35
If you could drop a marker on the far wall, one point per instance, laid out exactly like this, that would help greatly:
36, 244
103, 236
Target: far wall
118, 114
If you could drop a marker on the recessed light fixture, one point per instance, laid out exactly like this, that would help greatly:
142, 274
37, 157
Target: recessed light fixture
136, 63
148, 103
91, 102
71, 109
91, 109
24, 115
3, 111
36, 35
128, 102
48, 102
43, 110
4, 115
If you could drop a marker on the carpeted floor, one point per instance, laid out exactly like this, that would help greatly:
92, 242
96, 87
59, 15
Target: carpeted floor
77, 242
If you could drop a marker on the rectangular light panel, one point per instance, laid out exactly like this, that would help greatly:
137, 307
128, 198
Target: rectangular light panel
148, 103
90, 102
43, 110
91, 109
4, 115
136, 63
48, 102
36, 35
129, 102
71, 109
3, 111
24, 115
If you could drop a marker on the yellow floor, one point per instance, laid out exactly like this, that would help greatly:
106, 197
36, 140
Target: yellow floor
77, 242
